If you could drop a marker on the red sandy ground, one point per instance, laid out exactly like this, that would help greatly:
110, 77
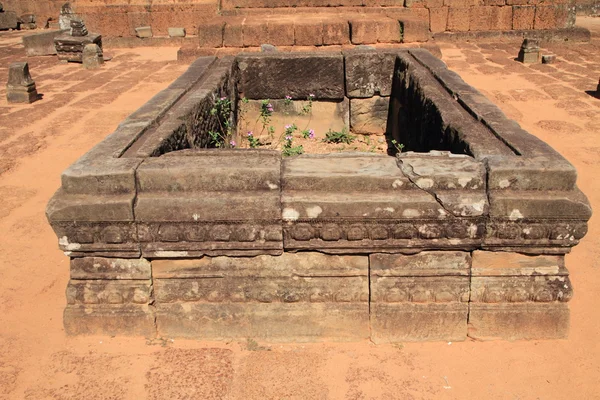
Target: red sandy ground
37, 360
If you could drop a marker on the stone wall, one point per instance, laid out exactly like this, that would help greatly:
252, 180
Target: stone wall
114, 18
167, 239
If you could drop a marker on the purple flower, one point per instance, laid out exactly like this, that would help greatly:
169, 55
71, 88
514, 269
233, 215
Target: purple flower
250, 133
223, 98
311, 134
288, 97
311, 95
288, 137
288, 127
232, 143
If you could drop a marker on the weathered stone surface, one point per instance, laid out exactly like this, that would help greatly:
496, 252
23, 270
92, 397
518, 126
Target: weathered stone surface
409, 322
274, 76
144, 32
184, 212
109, 292
78, 28
110, 268
20, 87
419, 297
8, 20
41, 44
431, 263
369, 73
176, 32
65, 17
514, 296
369, 116
297, 322
70, 48
92, 57
518, 321
129, 320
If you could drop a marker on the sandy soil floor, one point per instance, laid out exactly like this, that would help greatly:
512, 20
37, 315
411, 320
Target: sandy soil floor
37, 360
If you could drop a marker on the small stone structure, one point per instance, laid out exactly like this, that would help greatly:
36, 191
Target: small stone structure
20, 88
143, 32
69, 46
92, 57
464, 234
530, 51
8, 19
41, 43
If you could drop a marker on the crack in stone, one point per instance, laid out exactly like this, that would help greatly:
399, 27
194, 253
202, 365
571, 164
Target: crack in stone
409, 172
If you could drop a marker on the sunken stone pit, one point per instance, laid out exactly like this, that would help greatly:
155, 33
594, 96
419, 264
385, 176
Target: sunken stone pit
462, 234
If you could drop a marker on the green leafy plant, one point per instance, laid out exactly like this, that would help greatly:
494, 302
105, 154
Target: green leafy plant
398, 146
289, 149
307, 109
308, 134
222, 111
339, 137
253, 141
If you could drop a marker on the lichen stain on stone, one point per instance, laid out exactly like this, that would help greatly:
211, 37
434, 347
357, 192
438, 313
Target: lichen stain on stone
313, 212
397, 184
272, 186
515, 215
196, 217
289, 214
504, 183
424, 183
64, 241
411, 213
464, 181
167, 254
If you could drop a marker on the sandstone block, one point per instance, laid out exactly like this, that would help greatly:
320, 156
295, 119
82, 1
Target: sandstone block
458, 19
268, 76
41, 44
143, 32
501, 18
255, 33
308, 32
110, 268
369, 73
523, 17
8, 20
210, 33
70, 48
519, 321
233, 34
20, 87
438, 19
414, 30
105, 292
110, 320
92, 57
336, 32
481, 18
176, 32
286, 322
410, 322
365, 30
369, 116
281, 33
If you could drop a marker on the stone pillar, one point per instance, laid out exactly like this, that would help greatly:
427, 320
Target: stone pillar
530, 51
20, 87
92, 56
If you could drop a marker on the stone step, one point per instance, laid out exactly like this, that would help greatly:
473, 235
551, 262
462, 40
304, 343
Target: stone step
308, 29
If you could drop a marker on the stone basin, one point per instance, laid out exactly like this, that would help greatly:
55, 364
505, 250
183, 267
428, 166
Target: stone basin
462, 234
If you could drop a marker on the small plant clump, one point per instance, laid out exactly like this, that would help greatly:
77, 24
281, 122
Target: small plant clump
253, 141
398, 146
342, 136
222, 111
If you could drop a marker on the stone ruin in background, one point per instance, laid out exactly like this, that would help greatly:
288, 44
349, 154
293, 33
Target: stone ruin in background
463, 234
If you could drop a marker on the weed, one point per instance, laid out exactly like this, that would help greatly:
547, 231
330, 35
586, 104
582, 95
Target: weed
397, 146
339, 137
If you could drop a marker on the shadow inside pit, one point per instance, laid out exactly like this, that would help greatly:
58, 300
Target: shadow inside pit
594, 93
